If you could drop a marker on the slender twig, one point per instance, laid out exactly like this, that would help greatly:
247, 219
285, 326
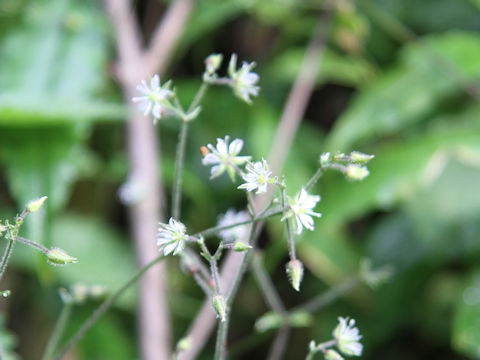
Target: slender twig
33, 244
58, 330
279, 344
87, 324
314, 179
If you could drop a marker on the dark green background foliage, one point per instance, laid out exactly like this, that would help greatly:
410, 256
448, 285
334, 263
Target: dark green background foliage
62, 134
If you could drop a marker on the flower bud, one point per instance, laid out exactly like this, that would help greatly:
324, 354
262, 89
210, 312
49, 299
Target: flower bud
324, 158
300, 319
295, 273
213, 63
220, 306
36, 204
240, 246
356, 172
360, 158
332, 355
5, 293
58, 256
184, 344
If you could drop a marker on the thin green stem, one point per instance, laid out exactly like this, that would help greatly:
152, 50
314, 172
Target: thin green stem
327, 297
33, 244
198, 97
58, 331
314, 179
7, 253
216, 229
104, 307
266, 286
291, 241
179, 161
221, 344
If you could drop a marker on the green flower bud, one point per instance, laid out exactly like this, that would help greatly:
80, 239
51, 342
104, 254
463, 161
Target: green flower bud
220, 306
295, 273
58, 256
332, 355
360, 158
356, 172
240, 246
184, 344
213, 63
269, 321
36, 204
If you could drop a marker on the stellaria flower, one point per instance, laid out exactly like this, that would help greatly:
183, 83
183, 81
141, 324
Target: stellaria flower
301, 206
224, 157
234, 233
153, 98
348, 337
243, 80
171, 237
257, 177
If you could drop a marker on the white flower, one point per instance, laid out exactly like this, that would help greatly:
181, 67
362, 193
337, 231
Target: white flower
348, 337
257, 177
244, 80
171, 237
235, 233
153, 97
224, 157
301, 206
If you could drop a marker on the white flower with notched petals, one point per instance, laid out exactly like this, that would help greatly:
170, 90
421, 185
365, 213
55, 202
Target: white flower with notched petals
171, 237
348, 337
225, 157
257, 177
301, 206
244, 80
153, 97
235, 233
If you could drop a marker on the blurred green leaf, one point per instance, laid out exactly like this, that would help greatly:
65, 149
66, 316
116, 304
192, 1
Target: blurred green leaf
8, 341
336, 68
52, 65
411, 92
104, 256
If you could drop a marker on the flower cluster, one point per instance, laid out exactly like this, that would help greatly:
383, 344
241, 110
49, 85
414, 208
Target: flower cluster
352, 165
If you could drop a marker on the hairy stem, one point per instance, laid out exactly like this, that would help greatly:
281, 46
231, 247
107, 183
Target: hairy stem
179, 161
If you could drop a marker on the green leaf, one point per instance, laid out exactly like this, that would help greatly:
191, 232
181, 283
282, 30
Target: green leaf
104, 257
52, 65
423, 81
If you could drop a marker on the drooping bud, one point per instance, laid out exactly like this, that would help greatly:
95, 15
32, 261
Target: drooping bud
295, 273
240, 246
36, 204
331, 354
213, 63
360, 158
220, 306
356, 172
58, 256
